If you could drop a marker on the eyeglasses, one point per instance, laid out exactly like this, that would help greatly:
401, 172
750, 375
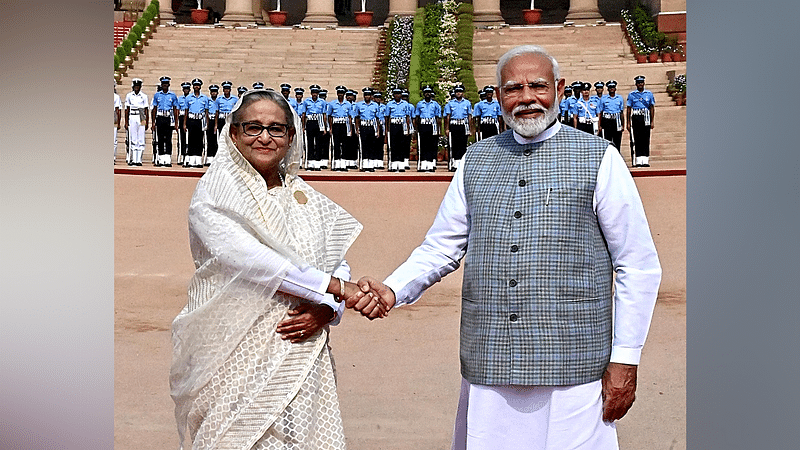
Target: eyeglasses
255, 129
513, 90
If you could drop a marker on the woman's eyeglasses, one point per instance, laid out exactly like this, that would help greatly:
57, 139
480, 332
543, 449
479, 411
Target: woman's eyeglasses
255, 129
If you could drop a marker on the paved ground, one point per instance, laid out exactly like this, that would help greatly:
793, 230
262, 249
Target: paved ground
397, 378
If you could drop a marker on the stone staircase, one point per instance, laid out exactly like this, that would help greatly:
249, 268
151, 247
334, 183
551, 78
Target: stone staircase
594, 53
300, 57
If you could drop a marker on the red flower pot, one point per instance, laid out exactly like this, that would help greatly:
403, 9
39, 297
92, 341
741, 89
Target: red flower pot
653, 57
364, 18
277, 18
199, 16
641, 58
532, 16
666, 57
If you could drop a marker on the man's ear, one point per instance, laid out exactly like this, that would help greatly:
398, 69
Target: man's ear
560, 88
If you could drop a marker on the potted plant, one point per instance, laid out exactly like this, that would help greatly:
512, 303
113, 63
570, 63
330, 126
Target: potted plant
277, 18
532, 16
364, 17
199, 15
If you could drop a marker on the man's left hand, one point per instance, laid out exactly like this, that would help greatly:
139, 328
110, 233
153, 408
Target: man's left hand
619, 390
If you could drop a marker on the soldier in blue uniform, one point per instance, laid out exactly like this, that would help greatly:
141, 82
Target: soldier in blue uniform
564, 107
383, 129
286, 90
341, 127
326, 138
183, 142
399, 128
427, 114
639, 114
412, 132
487, 114
458, 115
367, 127
598, 89
314, 118
225, 104
585, 111
351, 141
241, 90
258, 85
165, 116
196, 119
611, 120
211, 125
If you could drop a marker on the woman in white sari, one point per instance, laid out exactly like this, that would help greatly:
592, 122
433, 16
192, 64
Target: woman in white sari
251, 364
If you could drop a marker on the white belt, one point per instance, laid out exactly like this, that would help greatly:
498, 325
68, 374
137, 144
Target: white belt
640, 112
316, 117
610, 116
340, 120
196, 115
584, 119
163, 113
398, 120
491, 120
182, 112
458, 121
428, 121
369, 123
136, 111
223, 115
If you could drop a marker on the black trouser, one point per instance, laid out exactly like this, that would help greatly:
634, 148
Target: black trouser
458, 141
641, 135
566, 119
377, 150
339, 135
182, 141
587, 127
194, 127
489, 130
314, 140
428, 143
400, 147
351, 148
164, 134
610, 132
368, 142
212, 136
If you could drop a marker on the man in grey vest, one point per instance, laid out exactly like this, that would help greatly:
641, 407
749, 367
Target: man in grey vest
543, 217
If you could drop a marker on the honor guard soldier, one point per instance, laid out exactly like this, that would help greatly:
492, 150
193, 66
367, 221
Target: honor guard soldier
297, 100
564, 112
314, 119
611, 120
341, 128
241, 90
368, 129
427, 114
196, 118
326, 138
598, 88
286, 90
640, 111
225, 104
136, 121
351, 142
377, 97
458, 115
183, 142
165, 117
117, 117
487, 114
211, 126
258, 85
405, 96
399, 129
585, 111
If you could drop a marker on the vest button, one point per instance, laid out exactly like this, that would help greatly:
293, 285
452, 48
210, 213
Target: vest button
528, 152
522, 183
513, 317
512, 283
514, 248
517, 214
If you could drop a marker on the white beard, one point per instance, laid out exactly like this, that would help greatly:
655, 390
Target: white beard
530, 127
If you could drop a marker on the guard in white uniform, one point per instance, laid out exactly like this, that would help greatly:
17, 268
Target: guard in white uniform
136, 121
117, 107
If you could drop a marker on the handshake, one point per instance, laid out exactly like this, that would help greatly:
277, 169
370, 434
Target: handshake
368, 296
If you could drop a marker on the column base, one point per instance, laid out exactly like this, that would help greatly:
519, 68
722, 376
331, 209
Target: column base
583, 17
487, 18
320, 20
243, 19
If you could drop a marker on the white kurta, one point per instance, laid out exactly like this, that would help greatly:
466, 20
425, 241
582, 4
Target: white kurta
622, 220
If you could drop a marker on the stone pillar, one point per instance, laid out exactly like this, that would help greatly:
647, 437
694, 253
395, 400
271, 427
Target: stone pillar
583, 12
165, 11
257, 7
238, 11
487, 12
400, 8
320, 13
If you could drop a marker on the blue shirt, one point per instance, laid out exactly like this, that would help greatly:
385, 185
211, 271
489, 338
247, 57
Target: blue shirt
458, 109
367, 111
585, 108
641, 100
428, 110
487, 109
225, 105
564, 107
182, 102
165, 101
197, 104
319, 106
611, 105
396, 109
336, 109
212, 107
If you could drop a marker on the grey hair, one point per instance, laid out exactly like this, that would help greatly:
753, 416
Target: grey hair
252, 96
526, 50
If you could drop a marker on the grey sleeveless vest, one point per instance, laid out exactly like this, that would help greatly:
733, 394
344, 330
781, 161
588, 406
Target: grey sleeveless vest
536, 296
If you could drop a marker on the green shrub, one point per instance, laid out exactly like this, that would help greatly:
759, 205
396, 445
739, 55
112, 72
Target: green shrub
465, 8
116, 61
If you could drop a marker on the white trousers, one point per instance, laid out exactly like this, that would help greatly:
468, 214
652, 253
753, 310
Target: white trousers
115, 143
532, 418
136, 138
